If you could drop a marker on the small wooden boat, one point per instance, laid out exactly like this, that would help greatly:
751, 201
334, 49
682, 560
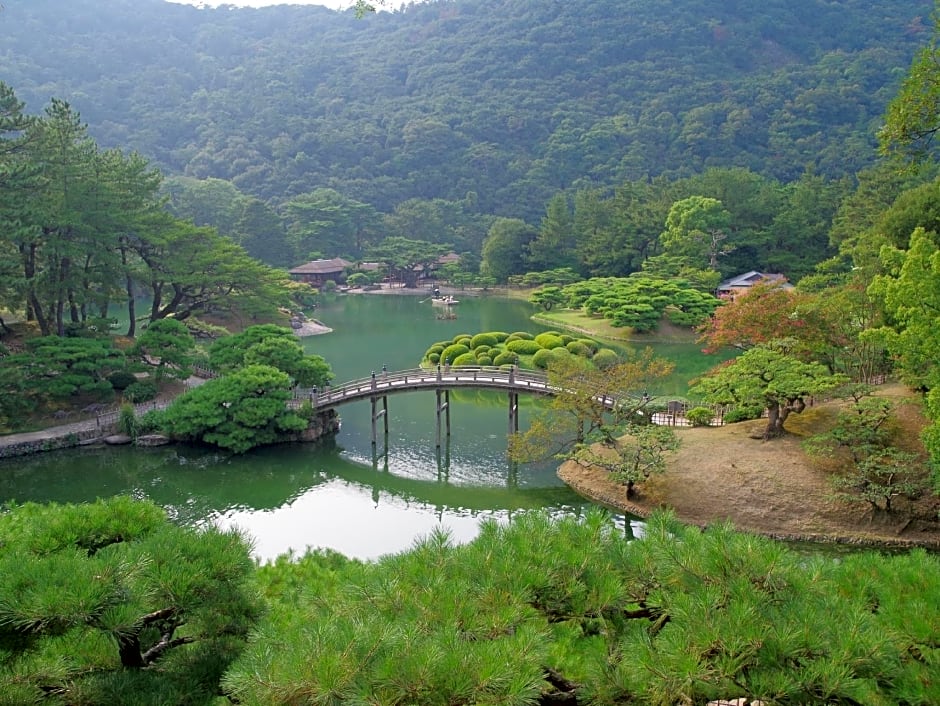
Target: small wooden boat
444, 301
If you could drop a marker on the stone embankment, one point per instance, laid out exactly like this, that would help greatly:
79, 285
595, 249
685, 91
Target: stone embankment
103, 428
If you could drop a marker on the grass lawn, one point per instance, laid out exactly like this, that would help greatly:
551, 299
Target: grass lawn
600, 327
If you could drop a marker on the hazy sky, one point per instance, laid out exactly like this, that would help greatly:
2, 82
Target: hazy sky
335, 4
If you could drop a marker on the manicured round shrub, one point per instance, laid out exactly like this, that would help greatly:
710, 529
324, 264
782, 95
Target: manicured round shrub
566, 339
434, 358
506, 358
549, 340
578, 348
605, 358
481, 350
121, 379
483, 339
500, 335
140, 391
542, 358
465, 341
465, 359
590, 343
452, 351
459, 337
436, 348
700, 416
519, 336
522, 346
484, 360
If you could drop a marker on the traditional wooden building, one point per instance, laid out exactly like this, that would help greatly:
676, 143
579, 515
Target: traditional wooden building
742, 283
317, 272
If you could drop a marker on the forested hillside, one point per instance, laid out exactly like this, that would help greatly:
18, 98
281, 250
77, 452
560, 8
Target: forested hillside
508, 102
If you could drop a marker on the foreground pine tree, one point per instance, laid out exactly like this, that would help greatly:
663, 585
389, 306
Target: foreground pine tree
110, 603
570, 612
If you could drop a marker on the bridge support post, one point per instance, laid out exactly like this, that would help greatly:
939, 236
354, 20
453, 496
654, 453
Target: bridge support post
375, 416
445, 408
513, 412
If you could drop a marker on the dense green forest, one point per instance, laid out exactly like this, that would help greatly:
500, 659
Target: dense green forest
493, 105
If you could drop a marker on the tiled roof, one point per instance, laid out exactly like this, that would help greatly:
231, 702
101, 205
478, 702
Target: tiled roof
751, 278
321, 267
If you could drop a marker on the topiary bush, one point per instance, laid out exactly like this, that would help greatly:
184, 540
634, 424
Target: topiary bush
484, 360
542, 358
590, 343
700, 416
465, 359
452, 351
141, 391
506, 358
549, 340
578, 348
519, 336
523, 346
434, 358
605, 358
121, 379
483, 339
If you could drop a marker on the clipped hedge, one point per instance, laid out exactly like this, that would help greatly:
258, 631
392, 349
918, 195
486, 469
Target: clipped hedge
523, 346
542, 358
465, 359
506, 358
549, 339
578, 348
519, 336
605, 358
484, 339
453, 351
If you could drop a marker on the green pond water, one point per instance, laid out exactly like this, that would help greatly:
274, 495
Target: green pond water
340, 494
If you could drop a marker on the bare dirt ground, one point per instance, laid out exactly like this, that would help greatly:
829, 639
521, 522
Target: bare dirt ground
766, 487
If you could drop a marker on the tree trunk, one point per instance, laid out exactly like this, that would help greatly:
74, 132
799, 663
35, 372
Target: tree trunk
776, 416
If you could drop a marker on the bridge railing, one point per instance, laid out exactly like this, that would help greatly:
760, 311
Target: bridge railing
415, 378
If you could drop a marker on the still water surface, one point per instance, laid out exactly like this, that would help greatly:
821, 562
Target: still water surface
340, 494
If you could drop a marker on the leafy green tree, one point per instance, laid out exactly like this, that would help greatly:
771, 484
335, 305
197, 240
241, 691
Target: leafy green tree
883, 476
768, 376
111, 602
59, 368
875, 469
188, 269
555, 246
328, 223
407, 259
696, 229
548, 297
577, 413
505, 247
273, 345
913, 116
167, 345
910, 293
238, 411
287, 355
634, 457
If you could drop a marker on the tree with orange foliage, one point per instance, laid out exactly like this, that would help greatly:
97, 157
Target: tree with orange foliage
764, 313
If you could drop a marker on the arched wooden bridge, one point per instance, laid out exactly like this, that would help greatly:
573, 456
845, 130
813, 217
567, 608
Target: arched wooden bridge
442, 379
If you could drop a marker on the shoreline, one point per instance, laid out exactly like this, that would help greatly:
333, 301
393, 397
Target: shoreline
611, 496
